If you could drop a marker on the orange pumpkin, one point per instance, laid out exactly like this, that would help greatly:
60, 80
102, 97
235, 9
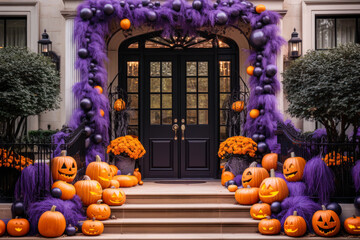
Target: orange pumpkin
102, 113
125, 24
119, 105
269, 226
247, 196
141, 183
68, 191
250, 70
273, 189
351, 225
114, 196
88, 190
63, 168
254, 113
226, 176
18, 227
99, 89
92, 227
2, 228
269, 161
99, 171
237, 106
113, 170
295, 226
260, 8
52, 223
253, 176
137, 174
260, 211
124, 180
114, 183
232, 188
98, 211
293, 168
326, 223
134, 179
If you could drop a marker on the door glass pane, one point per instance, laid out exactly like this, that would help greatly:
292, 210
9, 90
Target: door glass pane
203, 101
2, 35
155, 117
132, 84
166, 69
154, 100
224, 68
203, 84
191, 84
345, 30
167, 101
133, 69
166, 117
133, 100
191, 69
224, 84
167, 85
191, 117
154, 84
154, 69
16, 32
134, 120
191, 101
325, 33
223, 100
203, 68
203, 116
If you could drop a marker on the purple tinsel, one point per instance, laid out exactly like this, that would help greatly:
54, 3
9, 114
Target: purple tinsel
296, 189
58, 139
34, 183
90, 35
319, 179
71, 209
356, 175
238, 180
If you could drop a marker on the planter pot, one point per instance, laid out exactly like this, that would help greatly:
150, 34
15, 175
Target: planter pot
237, 164
125, 165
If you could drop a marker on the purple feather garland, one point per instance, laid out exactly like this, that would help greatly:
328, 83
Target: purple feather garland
238, 180
319, 179
355, 172
296, 189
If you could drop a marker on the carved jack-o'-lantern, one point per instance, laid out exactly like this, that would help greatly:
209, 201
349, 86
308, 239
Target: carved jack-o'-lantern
326, 223
260, 211
253, 176
273, 189
63, 168
99, 171
295, 226
98, 211
269, 226
247, 196
18, 227
114, 196
352, 225
92, 227
293, 168
88, 190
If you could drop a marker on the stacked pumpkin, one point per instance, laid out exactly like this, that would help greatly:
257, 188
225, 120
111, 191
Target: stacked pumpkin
336, 159
14, 160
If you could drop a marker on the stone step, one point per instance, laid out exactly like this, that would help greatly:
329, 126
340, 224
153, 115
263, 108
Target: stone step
181, 225
193, 210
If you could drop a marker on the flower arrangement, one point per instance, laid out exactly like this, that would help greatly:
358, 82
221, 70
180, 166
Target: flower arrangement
127, 146
13, 160
336, 159
237, 145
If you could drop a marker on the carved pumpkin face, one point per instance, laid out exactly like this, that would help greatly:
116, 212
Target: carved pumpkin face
18, 227
99, 171
253, 176
92, 228
295, 226
273, 189
89, 191
63, 168
293, 168
352, 225
326, 223
260, 211
269, 226
114, 196
98, 211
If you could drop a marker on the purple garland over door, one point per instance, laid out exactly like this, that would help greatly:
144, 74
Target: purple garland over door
92, 25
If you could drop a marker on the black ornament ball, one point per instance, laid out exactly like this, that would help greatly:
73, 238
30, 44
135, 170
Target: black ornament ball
262, 111
259, 90
259, 58
257, 72
151, 16
90, 115
83, 53
157, 4
70, 230
267, 88
176, 6
258, 39
98, 138
258, 25
91, 82
86, 13
245, 19
109, 9
93, 10
255, 137
56, 192
145, 2
262, 147
357, 202
87, 130
231, 182
221, 18
99, 13
132, 6
275, 207
225, 4
151, 5
139, 5
92, 65
271, 70
267, 80
18, 209
266, 19
216, 5
226, 184
261, 137
335, 207
257, 64
86, 104
122, 3
87, 142
197, 5
234, 13
188, 19
231, 2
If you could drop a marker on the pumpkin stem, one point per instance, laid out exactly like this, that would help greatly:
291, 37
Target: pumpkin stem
53, 208
99, 201
248, 186
323, 207
98, 159
253, 164
295, 213
93, 218
292, 154
63, 153
354, 216
86, 177
272, 172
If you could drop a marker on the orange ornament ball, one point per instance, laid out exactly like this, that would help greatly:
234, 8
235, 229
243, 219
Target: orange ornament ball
102, 113
260, 8
254, 113
250, 70
99, 89
125, 24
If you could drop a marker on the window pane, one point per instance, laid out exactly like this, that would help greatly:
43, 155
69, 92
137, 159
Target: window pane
191, 69
154, 69
203, 68
166, 117
132, 84
203, 101
224, 67
167, 85
325, 33
223, 100
155, 117
16, 32
203, 84
133, 130
166, 101
203, 116
154, 100
134, 100
134, 117
225, 84
191, 84
345, 30
134, 45
133, 69
191, 117
154, 84
2, 35
191, 101
166, 69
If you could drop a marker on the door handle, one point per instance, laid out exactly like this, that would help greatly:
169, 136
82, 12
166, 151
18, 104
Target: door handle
175, 128
183, 132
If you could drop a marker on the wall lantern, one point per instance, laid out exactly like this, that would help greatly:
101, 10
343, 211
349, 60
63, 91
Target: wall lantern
295, 45
45, 48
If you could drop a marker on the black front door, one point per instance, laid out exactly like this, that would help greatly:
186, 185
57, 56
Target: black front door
179, 116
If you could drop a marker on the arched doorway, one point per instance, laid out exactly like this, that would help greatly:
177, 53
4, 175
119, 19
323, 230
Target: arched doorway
178, 90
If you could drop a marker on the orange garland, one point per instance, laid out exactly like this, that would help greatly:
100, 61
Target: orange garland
237, 145
13, 160
128, 146
331, 160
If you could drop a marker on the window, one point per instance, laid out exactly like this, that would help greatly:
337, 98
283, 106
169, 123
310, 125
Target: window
333, 31
132, 75
12, 32
225, 92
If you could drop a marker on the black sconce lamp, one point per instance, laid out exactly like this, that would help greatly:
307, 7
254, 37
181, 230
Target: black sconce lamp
295, 45
45, 48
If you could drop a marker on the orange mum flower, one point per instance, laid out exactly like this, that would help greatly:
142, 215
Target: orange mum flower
14, 160
127, 146
336, 159
237, 145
